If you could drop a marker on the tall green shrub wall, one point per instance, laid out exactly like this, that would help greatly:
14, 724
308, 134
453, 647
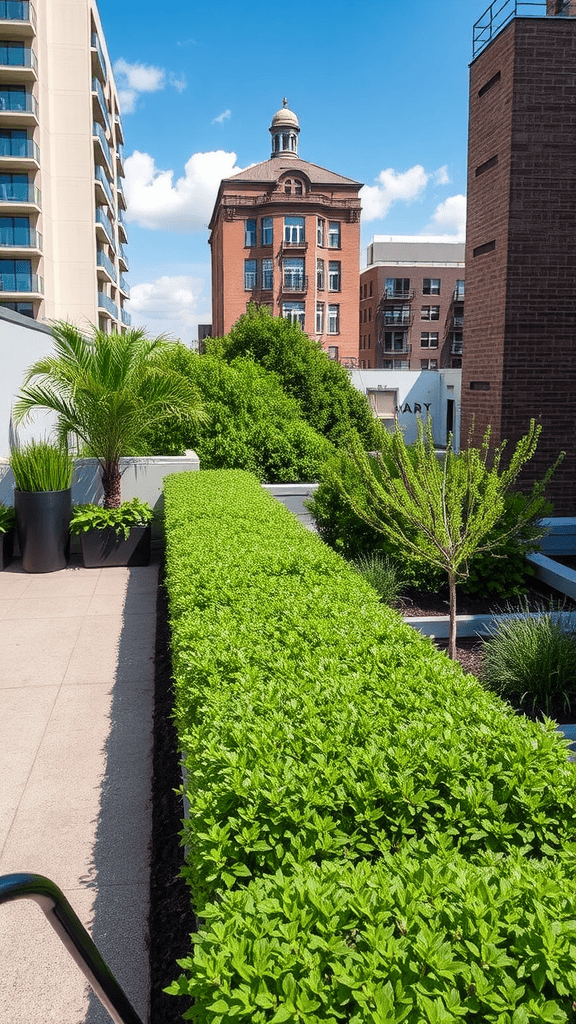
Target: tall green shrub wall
371, 836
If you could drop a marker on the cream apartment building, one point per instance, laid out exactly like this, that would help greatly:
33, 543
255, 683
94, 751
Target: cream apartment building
62, 230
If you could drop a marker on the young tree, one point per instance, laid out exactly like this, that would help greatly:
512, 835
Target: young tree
443, 509
107, 390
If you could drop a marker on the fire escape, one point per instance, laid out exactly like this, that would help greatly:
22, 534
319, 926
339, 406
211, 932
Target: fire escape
453, 330
394, 317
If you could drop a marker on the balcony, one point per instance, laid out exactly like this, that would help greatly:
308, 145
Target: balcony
122, 230
391, 318
121, 196
456, 348
19, 197
119, 129
106, 268
101, 105
19, 153
122, 258
25, 241
103, 186
295, 283
106, 305
124, 286
98, 58
457, 322
18, 109
396, 349
101, 147
20, 284
104, 229
299, 246
17, 63
120, 159
392, 293
17, 18
126, 318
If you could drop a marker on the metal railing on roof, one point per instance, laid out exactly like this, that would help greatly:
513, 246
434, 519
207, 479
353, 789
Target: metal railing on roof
74, 936
500, 12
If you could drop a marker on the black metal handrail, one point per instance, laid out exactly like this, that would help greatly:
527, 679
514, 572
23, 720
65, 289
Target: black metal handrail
500, 12
73, 934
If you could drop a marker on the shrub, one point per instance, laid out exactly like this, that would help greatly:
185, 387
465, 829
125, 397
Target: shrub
328, 400
338, 745
382, 573
251, 423
530, 660
122, 519
40, 466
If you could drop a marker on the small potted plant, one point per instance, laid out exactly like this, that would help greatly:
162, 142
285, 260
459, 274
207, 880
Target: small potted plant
7, 522
113, 536
42, 504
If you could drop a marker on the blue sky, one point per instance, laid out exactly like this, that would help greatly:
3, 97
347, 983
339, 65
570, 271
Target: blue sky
380, 88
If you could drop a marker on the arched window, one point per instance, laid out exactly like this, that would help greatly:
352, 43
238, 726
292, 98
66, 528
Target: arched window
293, 186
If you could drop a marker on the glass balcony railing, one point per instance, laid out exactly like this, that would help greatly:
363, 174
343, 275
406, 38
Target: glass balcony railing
20, 148
124, 285
104, 261
17, 10
106, 303
97, 88
27, 238
19, 193
103, 218
16, 55
18, 100
100, 175
96, 45
126, 318
23, 282
99, 132
122, 251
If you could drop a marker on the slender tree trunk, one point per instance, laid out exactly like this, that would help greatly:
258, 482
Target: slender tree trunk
452, 639
112, 484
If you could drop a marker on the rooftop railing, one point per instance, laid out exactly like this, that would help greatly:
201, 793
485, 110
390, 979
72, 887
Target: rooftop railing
501, 12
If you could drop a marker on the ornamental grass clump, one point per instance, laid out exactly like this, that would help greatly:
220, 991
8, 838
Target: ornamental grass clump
40, 466
382, 573
530, 660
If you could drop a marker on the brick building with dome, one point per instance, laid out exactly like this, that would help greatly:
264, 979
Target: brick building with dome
285, 233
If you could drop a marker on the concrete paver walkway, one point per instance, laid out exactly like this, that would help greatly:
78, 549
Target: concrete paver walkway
76, 709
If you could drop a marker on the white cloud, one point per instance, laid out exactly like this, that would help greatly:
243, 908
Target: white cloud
224, 116
441, 176
450, 216
170, 305
393, 186
155, 202
134, 79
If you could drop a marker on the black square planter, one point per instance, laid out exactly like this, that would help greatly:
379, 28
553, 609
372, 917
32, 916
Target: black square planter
6, 548
104, 548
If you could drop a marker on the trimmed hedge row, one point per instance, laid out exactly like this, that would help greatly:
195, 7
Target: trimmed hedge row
334, 758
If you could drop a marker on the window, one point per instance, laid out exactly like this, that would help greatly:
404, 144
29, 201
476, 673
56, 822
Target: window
267, 275
429, 339
25, 308
320, 275
428, 364
16, 275
395, 341
320, 231
250, 233
294, 312
430, 313
369, 341
294, 230
333, 352
14, 142
12, 53
13, 97
334, 234
459, 290
431, 286
14, 186
384, 405
14, 231
293, 186
333, 319
293, 273
267, 236
481, 249
369, 313
250, 273
395, 364
371, 287
319, 318
398, 287
334, 276
397, 315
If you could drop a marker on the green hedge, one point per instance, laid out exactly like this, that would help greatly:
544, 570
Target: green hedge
327, 743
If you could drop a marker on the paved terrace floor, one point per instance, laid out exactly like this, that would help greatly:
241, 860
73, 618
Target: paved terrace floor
76, 706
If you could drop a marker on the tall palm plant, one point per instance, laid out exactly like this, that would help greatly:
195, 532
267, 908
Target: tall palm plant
107, 390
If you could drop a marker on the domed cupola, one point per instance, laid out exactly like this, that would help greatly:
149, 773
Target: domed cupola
284, 131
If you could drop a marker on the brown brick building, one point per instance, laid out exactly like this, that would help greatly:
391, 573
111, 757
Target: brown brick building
412, 304
520, 353
286, 233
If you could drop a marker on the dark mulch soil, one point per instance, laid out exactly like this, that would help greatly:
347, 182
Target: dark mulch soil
171, 919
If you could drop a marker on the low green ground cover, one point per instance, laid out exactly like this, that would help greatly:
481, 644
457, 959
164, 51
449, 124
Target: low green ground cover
372, 836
